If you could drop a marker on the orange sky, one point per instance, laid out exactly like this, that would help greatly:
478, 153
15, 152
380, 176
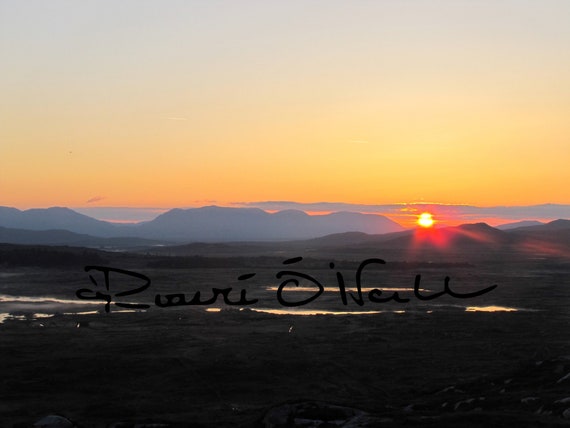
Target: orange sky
143, 104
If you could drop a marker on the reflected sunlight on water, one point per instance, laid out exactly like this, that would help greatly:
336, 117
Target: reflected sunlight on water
490, 309
306, 312
5, 298
37, 307
348, 289
83, 313
37, 316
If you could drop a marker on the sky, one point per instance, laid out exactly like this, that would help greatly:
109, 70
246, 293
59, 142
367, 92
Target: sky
163, 104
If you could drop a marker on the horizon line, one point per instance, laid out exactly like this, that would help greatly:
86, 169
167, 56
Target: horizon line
404, 214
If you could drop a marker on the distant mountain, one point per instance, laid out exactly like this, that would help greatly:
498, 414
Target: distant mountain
465, 243
220, 224
206, 224
549, 238
551, 226
62, 226
56, 218
515, 225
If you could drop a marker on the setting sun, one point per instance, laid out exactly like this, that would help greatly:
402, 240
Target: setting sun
425, 220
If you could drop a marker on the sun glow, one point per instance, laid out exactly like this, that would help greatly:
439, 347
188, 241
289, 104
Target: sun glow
426, 220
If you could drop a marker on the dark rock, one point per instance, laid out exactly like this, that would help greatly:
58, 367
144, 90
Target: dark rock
54, 421
315, 414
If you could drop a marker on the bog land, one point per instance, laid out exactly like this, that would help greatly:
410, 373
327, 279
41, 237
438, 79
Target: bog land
501, 359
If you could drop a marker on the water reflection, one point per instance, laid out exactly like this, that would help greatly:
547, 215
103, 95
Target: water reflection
348, 289
5, 298
490, 309
38, 307
38, 316
307, 312
22, 317
29, 307
5, 316
84, 313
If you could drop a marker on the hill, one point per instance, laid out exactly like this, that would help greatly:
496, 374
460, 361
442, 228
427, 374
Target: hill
221, 224
56, 218
65, 237
206, 224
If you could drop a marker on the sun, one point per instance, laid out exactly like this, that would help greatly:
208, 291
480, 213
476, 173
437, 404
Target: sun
425, 220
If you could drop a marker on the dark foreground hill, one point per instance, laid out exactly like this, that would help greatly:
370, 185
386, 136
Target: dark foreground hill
553, 237
65, 237
229, 232
479, 240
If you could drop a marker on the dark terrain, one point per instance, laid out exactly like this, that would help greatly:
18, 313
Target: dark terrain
418, 363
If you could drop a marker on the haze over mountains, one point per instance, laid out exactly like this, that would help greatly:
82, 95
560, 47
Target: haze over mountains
548, 240
206, 224
219, 227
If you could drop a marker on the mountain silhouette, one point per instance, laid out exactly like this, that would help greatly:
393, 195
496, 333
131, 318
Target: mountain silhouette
219, 224
559, 224
551, 239
65, 237
56, 218
206, 224
517, 224
212, 224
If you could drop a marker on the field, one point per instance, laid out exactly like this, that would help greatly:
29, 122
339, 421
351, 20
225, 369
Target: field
498, 359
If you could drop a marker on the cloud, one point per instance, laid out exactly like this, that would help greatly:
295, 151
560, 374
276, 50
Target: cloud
95, 199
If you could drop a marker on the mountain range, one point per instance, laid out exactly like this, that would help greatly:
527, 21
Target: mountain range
218, 230
206, 224
56, 218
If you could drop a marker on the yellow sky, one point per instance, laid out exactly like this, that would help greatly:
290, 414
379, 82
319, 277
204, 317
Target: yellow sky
166, 104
